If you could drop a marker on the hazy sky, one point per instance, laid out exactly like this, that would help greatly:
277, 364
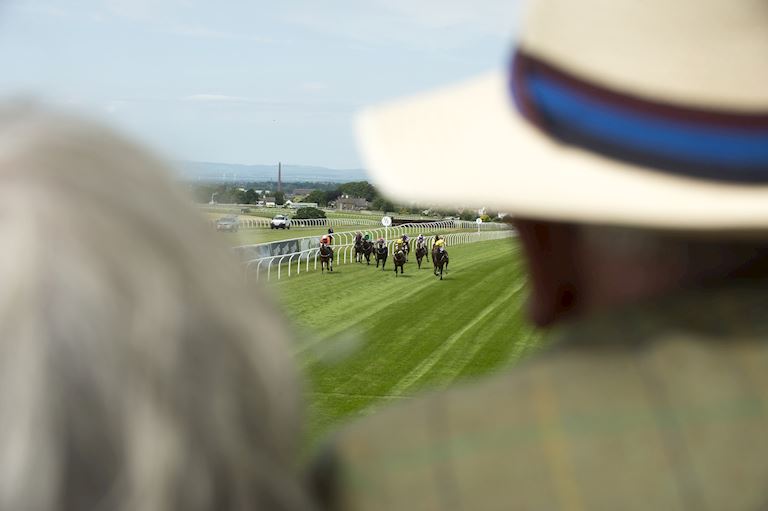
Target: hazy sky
245, 81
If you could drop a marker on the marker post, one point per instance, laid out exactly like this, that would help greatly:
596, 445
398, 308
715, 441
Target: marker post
386, 222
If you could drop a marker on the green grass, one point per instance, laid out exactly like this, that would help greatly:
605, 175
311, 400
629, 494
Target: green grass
222, 210
369, 338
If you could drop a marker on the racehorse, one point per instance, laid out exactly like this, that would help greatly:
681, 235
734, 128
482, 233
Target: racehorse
398, 259
326, 258
367, 250
382, 251
421, 252
440, 260
358, 249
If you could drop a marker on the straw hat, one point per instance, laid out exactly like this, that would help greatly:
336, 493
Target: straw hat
648, 113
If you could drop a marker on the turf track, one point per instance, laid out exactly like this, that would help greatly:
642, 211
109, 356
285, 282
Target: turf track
368, 337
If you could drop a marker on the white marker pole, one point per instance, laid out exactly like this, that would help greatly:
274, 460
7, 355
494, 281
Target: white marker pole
386, 222
479, 222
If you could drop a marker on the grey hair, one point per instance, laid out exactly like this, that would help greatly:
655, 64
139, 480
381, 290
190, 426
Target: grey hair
136, 371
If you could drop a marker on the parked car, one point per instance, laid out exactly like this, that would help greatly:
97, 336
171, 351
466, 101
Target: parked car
280, 222
227, 223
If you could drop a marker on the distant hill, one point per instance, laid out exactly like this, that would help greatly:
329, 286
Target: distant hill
228, 172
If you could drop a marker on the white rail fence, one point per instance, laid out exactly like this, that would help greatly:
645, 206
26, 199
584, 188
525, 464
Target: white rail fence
293, 245
264, 222
292, 263
375, 216
258, 222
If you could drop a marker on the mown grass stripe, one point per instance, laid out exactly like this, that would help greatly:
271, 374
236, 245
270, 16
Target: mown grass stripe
428, 363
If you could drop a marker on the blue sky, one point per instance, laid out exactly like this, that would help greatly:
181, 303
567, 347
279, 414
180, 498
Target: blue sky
245, 81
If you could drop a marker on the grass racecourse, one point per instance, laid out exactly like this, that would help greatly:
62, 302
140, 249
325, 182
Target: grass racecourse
368, 338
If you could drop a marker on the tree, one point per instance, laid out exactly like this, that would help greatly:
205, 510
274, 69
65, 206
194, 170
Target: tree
251, 197
317, 196
332, 195
382, 204
303, 213
279, 198
362, 189
240, 197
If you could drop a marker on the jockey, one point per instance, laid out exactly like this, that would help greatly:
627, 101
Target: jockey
367, 236
325, 240
330, 234
405, 239
420, 240
439, 243
358, 236
381, 242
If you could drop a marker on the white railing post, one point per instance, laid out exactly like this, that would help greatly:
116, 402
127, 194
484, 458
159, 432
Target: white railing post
258, 269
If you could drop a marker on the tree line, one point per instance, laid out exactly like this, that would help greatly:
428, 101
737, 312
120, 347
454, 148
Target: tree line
323, 194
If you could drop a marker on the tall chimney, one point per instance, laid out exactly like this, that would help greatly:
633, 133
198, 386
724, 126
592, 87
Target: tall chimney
279, 177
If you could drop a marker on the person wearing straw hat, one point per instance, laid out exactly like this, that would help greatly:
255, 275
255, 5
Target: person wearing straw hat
630, 142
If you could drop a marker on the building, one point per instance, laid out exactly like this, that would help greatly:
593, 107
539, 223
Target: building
302, 192
347, 203
269, 202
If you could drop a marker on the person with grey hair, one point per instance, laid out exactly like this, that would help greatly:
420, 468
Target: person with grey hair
629, 140
136, 370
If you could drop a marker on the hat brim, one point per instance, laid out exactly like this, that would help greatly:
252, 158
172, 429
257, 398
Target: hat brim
467, 146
